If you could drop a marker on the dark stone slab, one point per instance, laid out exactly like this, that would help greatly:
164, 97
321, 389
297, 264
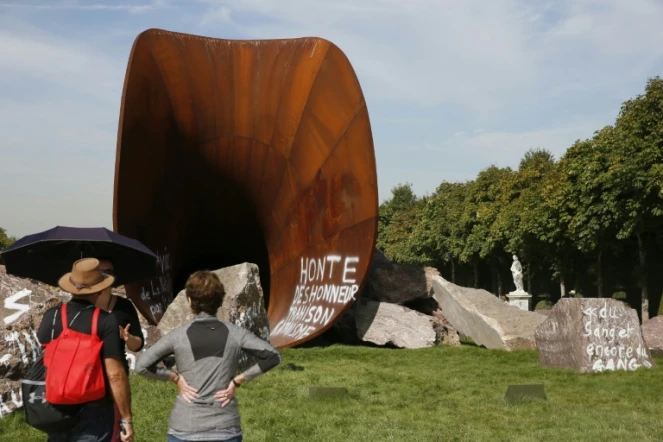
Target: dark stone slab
519, 393
325, 392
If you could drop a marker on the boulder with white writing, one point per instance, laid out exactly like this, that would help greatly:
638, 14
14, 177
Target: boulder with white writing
592, 335
19, 345
243, 304
19, 295
397, 283
485, 318
652, 333
382, 323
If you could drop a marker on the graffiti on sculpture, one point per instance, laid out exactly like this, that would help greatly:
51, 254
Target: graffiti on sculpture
158, 294
327, 202
610, 346
325, 284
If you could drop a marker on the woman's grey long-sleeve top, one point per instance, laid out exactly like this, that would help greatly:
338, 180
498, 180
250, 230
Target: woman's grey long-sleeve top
207, 353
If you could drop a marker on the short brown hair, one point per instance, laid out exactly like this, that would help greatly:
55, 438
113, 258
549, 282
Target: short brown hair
206, 292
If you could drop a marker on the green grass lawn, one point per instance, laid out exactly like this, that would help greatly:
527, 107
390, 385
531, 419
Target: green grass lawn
436, 394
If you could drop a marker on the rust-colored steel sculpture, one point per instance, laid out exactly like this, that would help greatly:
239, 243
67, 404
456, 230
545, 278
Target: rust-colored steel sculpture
260, 151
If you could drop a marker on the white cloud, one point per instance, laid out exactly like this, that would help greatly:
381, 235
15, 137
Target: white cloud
69, 65
426, 52
58, 141
485, 57
487, 64
132, 8
460, 158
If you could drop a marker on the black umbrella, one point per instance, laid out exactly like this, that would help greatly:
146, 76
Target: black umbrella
48, 255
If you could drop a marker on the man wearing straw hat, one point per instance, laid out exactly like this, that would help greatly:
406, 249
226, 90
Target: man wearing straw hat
86, 282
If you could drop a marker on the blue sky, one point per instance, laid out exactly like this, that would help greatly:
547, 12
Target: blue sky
452, 86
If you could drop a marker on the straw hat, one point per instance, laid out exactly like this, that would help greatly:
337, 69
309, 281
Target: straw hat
85, 278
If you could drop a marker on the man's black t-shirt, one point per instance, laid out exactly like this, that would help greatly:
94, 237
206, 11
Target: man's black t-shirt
82, 310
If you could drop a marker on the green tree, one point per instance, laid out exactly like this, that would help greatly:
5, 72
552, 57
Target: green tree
547, 216
522, 219
593, 198
484, 197
636, 168
397, 219
438, 236
5, 241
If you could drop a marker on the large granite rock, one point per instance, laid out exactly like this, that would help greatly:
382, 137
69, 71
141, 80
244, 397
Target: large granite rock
592, 335
383, 323
485, 318
397, 283
243, 305
22, 305
652, 333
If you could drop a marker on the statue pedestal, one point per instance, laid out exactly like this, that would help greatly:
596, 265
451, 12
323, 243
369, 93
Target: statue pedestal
520, 299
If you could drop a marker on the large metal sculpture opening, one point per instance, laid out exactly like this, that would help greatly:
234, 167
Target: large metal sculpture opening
260, 151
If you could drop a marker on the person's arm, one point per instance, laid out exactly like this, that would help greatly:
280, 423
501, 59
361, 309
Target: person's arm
146, 364
118, 381
268, 358
133, 332
119, 385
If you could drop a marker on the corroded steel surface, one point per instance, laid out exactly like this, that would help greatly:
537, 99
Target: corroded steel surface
261, 151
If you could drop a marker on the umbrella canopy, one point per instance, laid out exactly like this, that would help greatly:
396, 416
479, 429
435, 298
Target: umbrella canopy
48, 255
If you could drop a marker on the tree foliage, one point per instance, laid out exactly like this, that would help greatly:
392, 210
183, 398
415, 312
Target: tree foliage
5, 241
569, 220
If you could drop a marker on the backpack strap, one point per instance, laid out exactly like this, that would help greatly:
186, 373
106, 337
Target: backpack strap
95, 321
65, 327
95, 318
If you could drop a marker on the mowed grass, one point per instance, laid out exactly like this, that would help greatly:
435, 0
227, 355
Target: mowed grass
436, 394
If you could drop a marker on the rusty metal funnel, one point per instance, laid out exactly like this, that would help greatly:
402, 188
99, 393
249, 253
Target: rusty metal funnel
260, 151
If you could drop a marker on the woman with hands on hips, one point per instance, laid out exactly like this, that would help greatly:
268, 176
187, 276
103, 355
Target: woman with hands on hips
207, 353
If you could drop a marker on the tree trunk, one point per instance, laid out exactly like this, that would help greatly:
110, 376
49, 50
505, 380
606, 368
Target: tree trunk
599, 274
562, 288
644, 293
476, 275
453, 271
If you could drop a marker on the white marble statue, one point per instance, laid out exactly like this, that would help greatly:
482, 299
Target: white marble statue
517, 271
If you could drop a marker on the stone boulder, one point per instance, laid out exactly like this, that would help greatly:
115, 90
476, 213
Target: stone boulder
592, 335
23, 302
397, 283
383, 323
243, 305
485, 318
652, 333
19, 296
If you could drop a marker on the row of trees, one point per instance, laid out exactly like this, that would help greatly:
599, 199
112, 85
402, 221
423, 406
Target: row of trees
590, 219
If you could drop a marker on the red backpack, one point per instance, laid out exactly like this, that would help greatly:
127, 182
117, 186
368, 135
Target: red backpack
74, 372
